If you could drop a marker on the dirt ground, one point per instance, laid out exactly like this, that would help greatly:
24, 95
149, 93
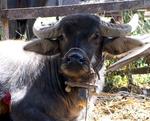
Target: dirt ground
120, 107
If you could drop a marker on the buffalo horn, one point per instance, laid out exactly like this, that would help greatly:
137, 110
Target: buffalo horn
46, 28
118, 30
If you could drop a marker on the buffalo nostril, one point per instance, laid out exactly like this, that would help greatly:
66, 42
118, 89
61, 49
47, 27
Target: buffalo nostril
68, 60
75, 58
81, 60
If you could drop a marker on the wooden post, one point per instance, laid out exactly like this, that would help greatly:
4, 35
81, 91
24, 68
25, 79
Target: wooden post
129, 77
0, 18
4, 21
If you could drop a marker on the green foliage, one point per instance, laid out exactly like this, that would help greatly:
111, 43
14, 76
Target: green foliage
143, 79
144, 24
122, 80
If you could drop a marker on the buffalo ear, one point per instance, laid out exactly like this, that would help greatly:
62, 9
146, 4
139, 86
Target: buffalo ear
43, 46
116, 46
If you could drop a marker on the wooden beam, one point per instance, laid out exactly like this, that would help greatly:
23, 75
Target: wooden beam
4, 21
29, 13
0, 4
0, 8
142, 70
5, 28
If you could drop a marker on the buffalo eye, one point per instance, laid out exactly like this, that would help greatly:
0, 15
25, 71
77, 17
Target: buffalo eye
95, 38
62, 37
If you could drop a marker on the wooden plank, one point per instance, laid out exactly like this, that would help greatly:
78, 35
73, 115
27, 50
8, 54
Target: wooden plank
5, 28
29, 13
142, 70
0, 8
0, 4
4, 21
0, 18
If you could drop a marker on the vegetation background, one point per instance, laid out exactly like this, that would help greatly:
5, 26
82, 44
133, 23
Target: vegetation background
113, 81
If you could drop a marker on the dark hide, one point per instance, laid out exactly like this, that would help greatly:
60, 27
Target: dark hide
5, 117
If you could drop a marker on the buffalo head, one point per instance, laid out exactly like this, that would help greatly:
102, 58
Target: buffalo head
80, 39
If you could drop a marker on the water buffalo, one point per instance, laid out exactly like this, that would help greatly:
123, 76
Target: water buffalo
50, 77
